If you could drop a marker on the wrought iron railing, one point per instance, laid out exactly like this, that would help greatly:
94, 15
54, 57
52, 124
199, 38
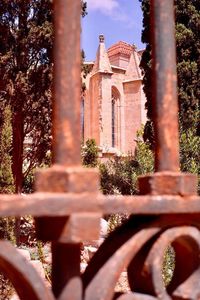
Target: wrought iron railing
68, 205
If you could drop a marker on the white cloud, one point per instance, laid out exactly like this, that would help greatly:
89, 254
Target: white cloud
112, 9
107, 7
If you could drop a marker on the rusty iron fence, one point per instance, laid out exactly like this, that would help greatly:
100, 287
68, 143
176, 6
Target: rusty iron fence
68, 205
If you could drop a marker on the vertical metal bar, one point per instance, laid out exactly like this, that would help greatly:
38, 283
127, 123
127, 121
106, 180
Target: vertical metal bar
66, 125
67, 87
165, 102
65, 265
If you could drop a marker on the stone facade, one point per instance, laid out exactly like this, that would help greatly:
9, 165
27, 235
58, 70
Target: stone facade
113, 102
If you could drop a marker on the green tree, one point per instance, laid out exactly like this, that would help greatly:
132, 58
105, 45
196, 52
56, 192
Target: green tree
6, 178
188, 64
189, 153
90, 154
120, 175
26, 40
26, 36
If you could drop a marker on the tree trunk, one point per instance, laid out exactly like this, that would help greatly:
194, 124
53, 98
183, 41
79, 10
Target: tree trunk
18, 115
17, 157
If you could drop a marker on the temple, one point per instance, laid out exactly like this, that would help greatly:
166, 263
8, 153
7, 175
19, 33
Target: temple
113, 101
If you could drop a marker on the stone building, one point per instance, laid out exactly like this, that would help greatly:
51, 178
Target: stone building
113, 103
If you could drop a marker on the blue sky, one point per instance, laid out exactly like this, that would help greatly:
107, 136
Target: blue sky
116, 19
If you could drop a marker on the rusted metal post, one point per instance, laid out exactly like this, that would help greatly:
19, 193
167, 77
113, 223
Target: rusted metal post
66, 126
65, 265
167, 179
165, 102
67, 175
66, 108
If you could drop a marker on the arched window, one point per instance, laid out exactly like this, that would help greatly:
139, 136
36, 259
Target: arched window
115, 118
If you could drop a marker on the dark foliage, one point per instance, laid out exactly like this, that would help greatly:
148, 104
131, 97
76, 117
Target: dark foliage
26, 37
120, 175
188, 67
188, 64
26, 41
90, 154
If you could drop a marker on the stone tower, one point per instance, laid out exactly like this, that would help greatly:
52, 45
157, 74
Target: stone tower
114, 98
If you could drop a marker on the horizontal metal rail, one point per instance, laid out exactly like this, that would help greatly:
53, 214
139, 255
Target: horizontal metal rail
62, 204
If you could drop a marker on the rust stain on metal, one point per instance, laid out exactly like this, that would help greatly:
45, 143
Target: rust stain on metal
165, 88
23, 276
186, 243
66, 128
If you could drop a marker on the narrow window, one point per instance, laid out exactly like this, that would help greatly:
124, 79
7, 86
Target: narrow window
115, 118
113, 123
82, 119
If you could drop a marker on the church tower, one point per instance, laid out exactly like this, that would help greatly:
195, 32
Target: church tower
114, 99
98, 100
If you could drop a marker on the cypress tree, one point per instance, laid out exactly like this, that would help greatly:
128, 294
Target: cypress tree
187, 14
6, 177
187, 18
26, 42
